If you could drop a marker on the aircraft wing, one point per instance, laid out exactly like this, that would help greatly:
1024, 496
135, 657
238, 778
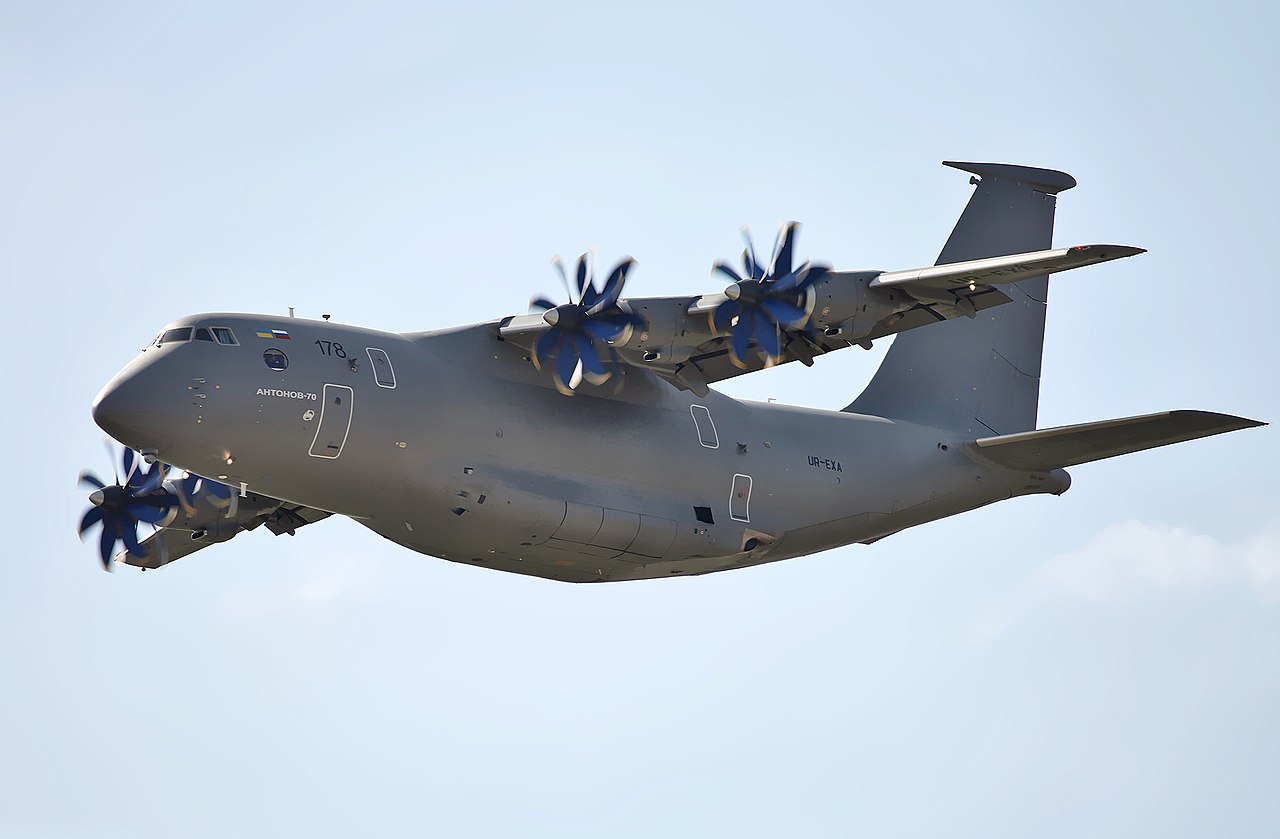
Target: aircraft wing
1003, 269
681, 345
172, 543
933, 294
689, 355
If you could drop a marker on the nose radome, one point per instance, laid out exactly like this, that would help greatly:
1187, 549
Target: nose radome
142, 405
132, 407
110, 411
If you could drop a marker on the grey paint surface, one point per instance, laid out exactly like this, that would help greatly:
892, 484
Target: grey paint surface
474, 457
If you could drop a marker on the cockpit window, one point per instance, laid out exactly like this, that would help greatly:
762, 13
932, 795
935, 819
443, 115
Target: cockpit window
225, 336
202, 334
172, 336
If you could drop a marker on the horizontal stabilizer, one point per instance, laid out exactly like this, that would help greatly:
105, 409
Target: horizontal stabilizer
1070, 445
1003, 269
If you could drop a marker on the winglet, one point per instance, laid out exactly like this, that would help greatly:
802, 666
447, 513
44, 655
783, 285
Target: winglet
1044, 180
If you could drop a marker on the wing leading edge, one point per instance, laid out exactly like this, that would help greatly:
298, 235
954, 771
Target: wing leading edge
1004, 269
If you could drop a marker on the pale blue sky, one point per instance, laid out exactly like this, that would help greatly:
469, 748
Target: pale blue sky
1101, 664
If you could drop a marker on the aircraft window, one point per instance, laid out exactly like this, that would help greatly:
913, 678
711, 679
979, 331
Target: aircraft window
276, 360
172, 336
202, 334
225, 336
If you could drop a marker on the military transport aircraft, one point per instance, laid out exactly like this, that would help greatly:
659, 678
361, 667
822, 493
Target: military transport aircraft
461, 444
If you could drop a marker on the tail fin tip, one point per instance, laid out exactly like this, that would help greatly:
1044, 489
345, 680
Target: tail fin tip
1051, 181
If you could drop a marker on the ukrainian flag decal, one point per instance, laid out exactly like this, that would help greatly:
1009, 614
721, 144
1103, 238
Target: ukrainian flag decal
277, 334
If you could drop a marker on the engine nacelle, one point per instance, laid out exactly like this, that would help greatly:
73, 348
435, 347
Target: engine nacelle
841, 304
846, 306
213, 511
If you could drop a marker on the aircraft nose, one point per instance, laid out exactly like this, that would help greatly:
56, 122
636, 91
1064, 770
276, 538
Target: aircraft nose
130, 409
110, 409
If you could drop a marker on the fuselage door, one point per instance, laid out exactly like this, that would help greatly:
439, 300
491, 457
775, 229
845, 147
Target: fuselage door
383, 372
740, 498
335, 421
706, 428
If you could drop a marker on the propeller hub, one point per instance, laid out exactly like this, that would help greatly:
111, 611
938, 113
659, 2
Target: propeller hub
113, 497
568, 317
747, 292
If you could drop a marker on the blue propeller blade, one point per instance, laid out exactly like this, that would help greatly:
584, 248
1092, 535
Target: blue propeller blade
155, 477
566, 364
604, 330
789, 282
782, 250
150, 511
186, 488
781, 311
107, 543
92, 516
727, 271
129, 535
89, 479
582, 279
591, 363
754, 269
722, 317
545, 349
765, 332
742, 337
612, 287
129, 462
816, 273
219, 494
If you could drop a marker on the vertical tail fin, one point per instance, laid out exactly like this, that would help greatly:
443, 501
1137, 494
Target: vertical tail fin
980, 375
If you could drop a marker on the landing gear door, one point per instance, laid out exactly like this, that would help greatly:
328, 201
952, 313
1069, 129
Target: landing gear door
335, 421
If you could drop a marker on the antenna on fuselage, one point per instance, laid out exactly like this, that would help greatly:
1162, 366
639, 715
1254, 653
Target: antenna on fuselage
290, 311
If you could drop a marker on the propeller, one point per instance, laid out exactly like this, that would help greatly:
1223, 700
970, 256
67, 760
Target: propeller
139, 497
766, 300
191, 486
583, 329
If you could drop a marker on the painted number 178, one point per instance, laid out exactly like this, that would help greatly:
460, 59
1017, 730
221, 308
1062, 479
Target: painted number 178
331, 348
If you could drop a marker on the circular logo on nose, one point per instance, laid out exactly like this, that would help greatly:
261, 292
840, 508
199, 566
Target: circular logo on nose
275, 359
308, 415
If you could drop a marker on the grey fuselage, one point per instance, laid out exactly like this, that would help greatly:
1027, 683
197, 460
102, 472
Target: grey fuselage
452, 444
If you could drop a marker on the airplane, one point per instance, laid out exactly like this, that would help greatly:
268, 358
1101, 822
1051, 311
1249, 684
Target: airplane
464, 443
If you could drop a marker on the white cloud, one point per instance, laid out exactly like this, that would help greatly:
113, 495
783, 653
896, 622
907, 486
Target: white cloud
1134, 559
